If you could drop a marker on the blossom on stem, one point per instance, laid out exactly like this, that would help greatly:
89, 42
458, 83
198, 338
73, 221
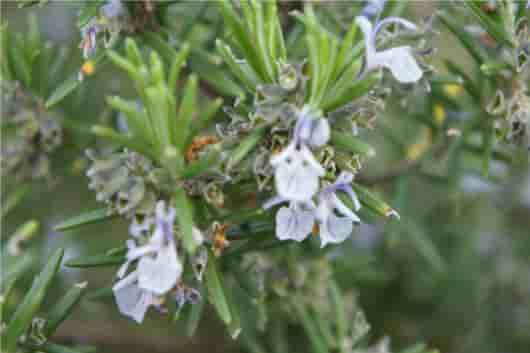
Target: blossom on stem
112, 9
399, 60
88, 38
334, 217
373, 8
297, 171
113, 18
110, 21
158, 269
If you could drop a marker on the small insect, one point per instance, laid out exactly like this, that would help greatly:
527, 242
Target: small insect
219, 238
197, 144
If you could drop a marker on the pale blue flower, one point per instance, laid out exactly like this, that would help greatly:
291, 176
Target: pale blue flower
113, 9
88, 38
133, 301
373, 8
297, 171
294, 222
114, 19
334, 217
400, 60
158, 268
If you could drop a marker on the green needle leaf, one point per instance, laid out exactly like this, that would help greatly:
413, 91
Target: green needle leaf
22, 318
349, 143
185, 220
89, 217
100, 260
245, 147
373, 201
216, 294
181, 128
61, 92
64, 307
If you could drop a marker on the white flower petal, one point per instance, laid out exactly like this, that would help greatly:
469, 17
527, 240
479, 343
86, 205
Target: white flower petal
400, 62
273, 201
164, 214
293, 224
369, 38
297, 181
133, 302
308, 160
335, 230
137, 252
320, 133
160, 274
304, 124
394, 20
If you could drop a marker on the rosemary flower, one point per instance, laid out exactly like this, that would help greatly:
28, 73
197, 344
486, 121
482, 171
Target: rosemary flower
158, 269
297, 172
399, 60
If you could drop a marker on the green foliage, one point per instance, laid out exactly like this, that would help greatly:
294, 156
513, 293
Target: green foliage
185, 146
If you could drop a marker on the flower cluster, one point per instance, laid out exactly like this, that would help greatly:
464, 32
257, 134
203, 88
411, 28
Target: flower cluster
311, 173
296, 142
297, 178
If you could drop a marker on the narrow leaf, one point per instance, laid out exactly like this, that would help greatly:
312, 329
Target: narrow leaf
185, 220
181, 128
373, 202
245, 147
100, 260
89, 217
349, 143
64, 307
216, 294
31, 303
61, 92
